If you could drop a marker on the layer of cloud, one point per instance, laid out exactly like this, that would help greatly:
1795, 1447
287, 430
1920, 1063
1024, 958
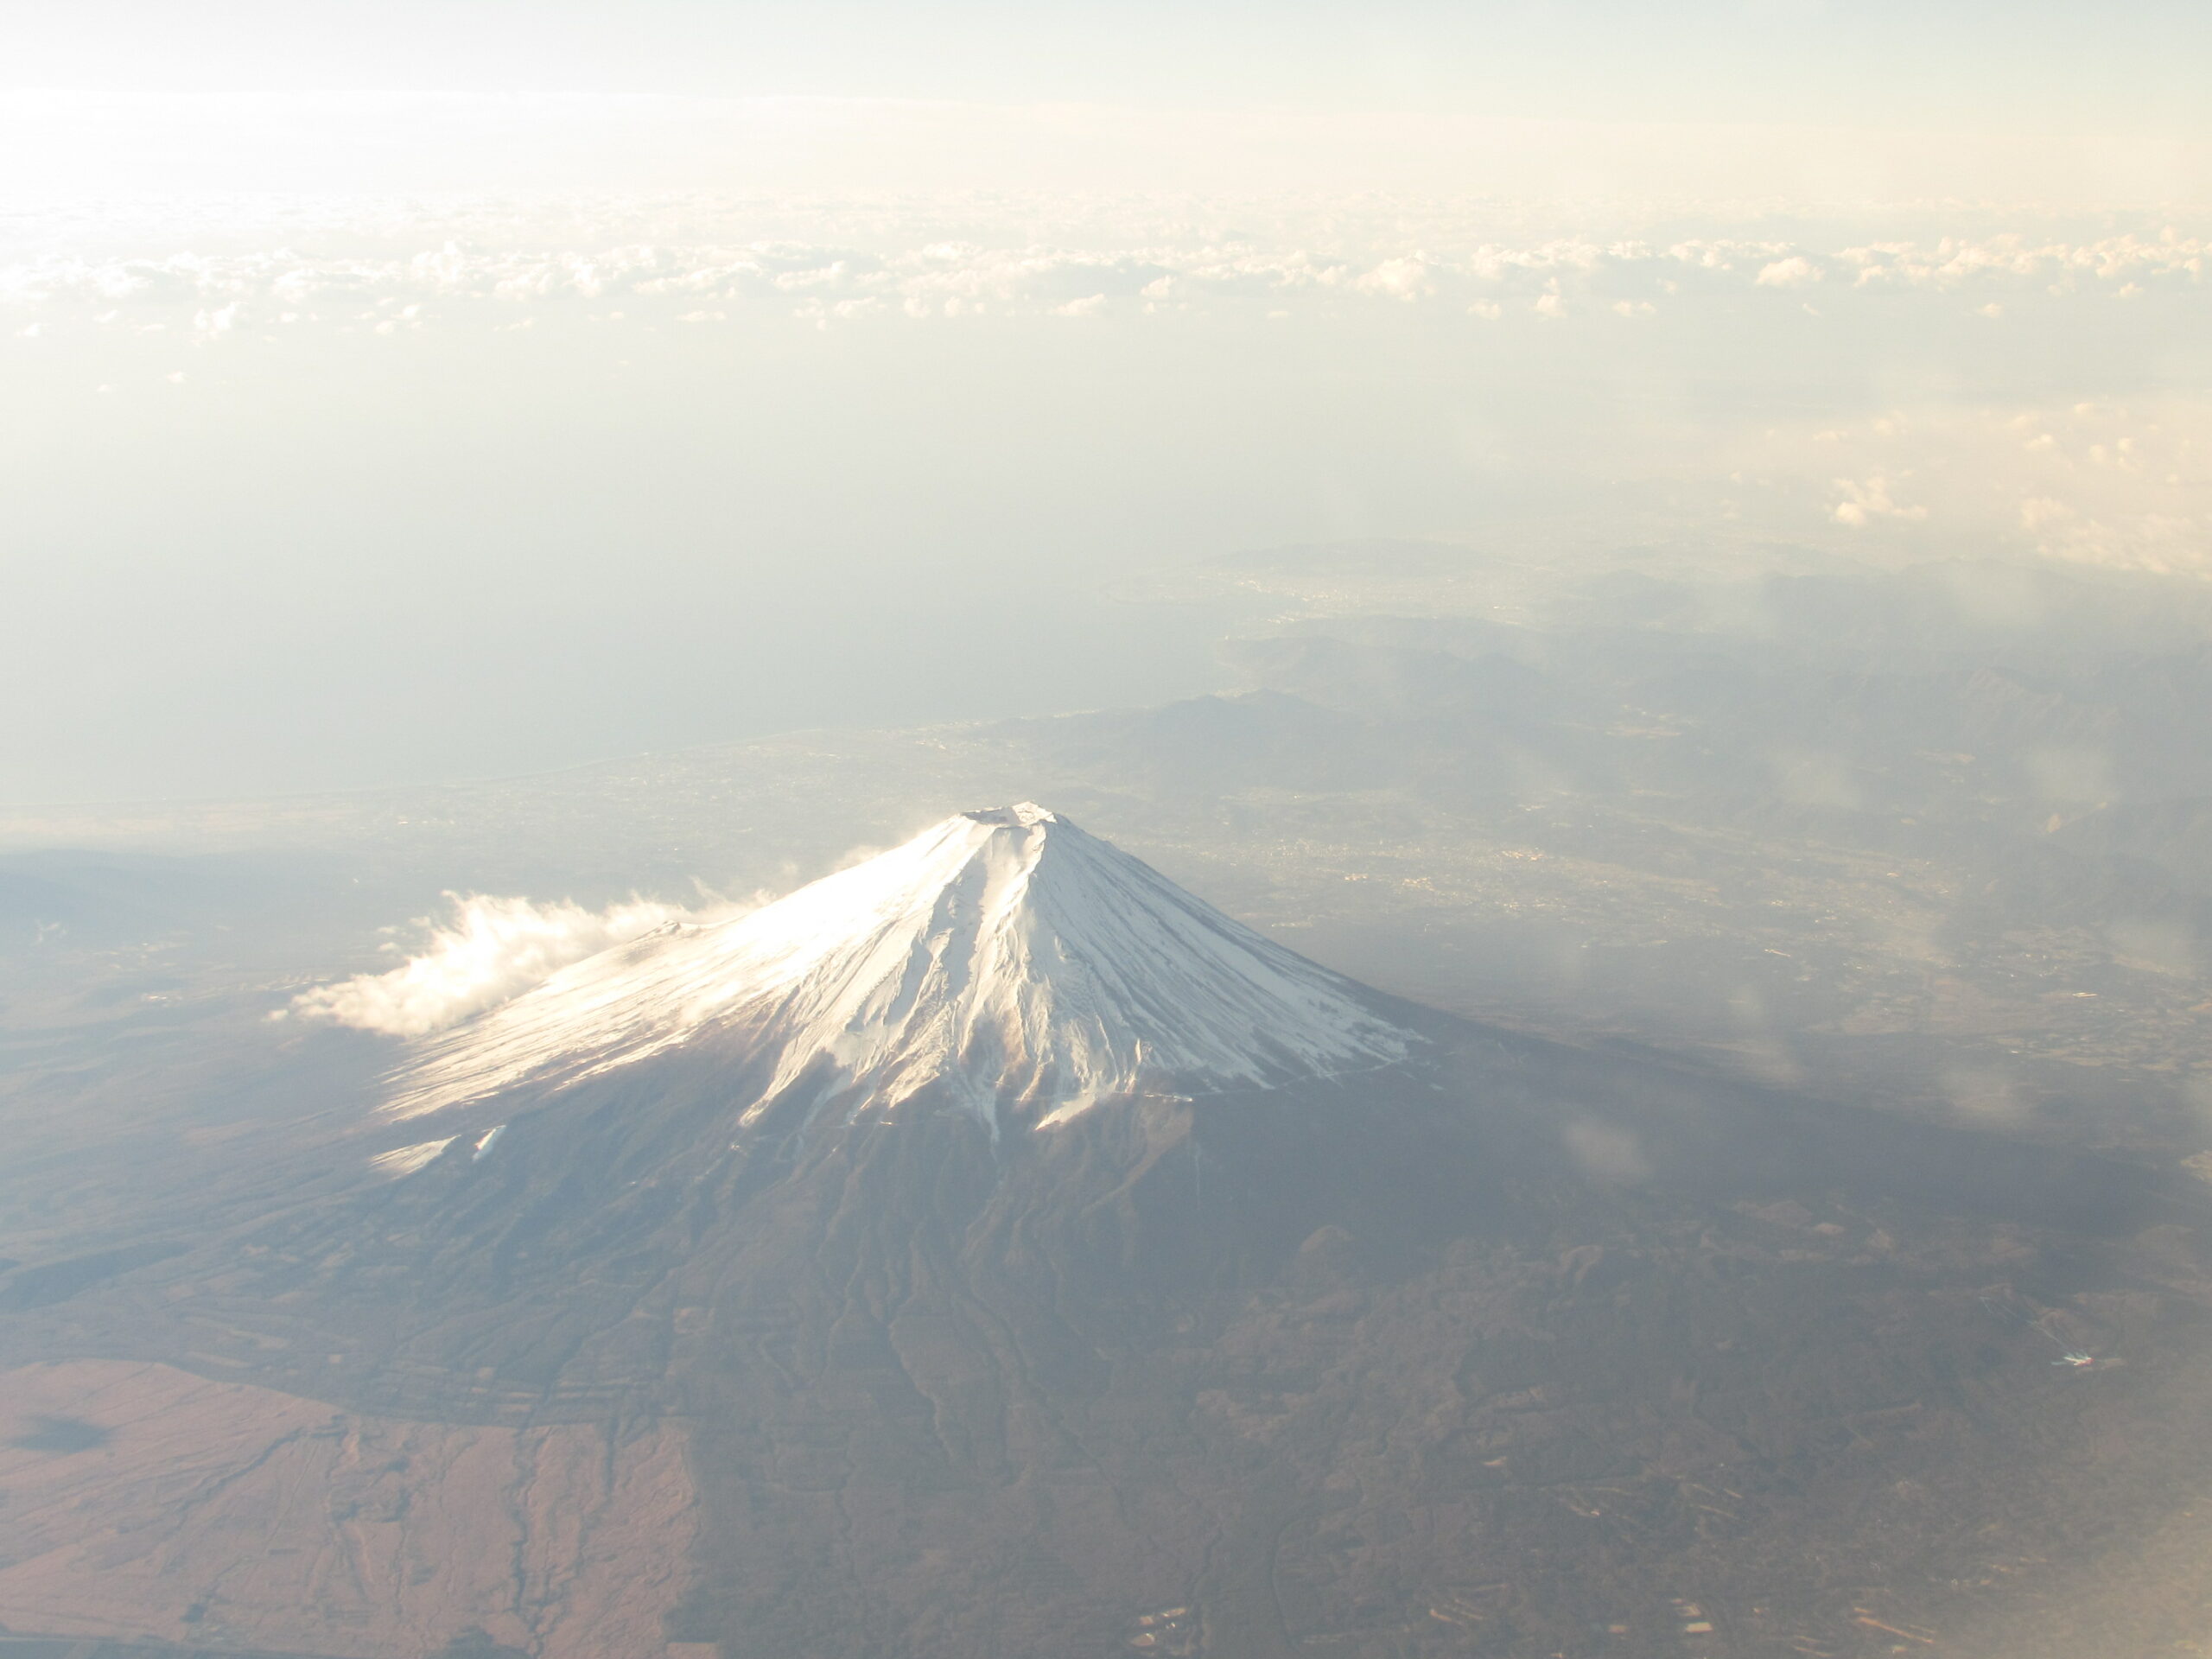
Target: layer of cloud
484, 951
693, 261
1861, 504
2125, 484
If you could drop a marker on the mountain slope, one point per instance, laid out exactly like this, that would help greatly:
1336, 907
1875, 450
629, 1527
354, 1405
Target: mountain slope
1296, 1322
1004, 953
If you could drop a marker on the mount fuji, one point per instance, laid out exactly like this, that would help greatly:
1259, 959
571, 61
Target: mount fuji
991, 1249
1003, 957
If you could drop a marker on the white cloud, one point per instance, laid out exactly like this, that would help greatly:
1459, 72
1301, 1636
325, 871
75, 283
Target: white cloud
1795, 272
1864, 503
2125, 485
485, 951
701, 260
1398, 279
1606, 1152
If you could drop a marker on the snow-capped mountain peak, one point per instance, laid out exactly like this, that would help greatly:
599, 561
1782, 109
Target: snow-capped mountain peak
1004, 954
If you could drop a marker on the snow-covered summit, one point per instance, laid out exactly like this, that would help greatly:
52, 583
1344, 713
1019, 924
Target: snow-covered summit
1005, 953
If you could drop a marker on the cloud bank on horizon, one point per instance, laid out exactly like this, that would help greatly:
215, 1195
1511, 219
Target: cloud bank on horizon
490, 484
587, 387
2015, 381
1197, 260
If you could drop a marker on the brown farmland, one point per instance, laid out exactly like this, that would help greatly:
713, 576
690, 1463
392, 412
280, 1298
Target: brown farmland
140, 1501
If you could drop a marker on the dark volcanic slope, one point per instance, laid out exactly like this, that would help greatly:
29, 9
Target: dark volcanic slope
1489, 1354
991, 1251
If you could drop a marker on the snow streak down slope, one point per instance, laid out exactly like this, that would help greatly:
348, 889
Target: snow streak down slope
1005, 953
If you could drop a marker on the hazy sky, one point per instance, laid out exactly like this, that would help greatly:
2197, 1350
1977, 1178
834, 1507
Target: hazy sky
2027, 66
418, 391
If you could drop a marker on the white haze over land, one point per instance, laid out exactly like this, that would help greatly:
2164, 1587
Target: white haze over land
380, 415
487, 950
312, 494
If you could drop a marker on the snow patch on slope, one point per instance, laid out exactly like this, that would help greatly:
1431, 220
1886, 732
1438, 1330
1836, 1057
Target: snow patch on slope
1005, 953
